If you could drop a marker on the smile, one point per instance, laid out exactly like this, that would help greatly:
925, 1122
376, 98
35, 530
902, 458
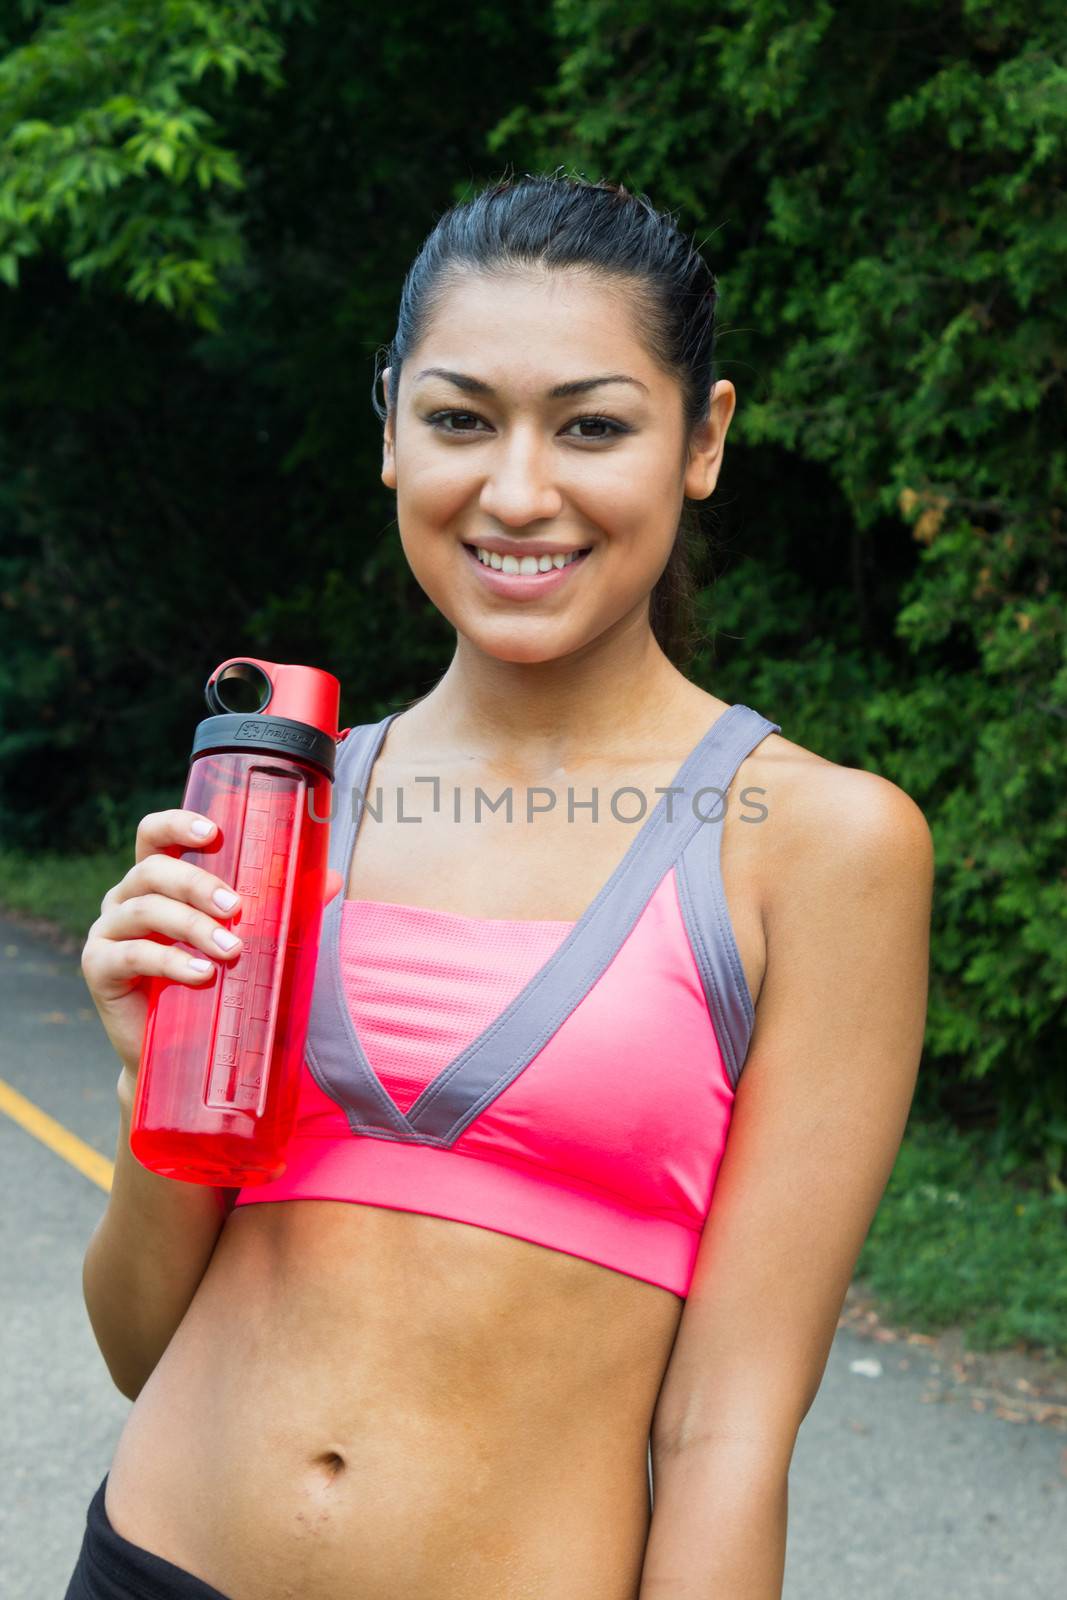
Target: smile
526, 565
527, 578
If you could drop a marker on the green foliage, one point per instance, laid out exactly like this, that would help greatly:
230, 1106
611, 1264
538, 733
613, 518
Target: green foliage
206, 211
964, 1236
101, 139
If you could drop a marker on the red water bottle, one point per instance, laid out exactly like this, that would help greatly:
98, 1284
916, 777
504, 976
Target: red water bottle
219, 1076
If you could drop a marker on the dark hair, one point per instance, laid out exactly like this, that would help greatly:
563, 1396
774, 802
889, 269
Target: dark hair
547, 220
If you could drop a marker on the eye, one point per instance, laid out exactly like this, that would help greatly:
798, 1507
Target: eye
601, 422
436, 419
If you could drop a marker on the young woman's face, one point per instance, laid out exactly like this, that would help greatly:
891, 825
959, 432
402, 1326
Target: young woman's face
482, 454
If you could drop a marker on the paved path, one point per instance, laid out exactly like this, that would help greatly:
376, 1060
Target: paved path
900, 1488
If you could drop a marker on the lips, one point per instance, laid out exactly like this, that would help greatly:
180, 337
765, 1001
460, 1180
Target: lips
517, 586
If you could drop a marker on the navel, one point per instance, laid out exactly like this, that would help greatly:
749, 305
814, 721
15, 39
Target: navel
333, 1463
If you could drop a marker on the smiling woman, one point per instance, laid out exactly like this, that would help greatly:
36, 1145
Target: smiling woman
595, 1114
561, 429
522, 461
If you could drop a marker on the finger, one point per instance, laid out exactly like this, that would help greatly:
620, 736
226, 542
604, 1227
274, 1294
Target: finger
171, 833
181, 886
112, 967
170, 918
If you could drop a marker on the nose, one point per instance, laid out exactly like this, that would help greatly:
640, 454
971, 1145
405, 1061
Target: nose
519, 487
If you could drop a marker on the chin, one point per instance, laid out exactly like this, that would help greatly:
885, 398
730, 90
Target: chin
528, 652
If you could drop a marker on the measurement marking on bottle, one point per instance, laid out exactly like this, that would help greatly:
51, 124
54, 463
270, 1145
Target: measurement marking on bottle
265, 880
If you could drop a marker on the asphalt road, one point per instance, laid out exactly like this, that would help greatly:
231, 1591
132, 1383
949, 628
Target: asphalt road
900, 1488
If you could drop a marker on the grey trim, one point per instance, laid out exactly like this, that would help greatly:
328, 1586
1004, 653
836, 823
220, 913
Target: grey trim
492, 1061
702, 898
334, 1053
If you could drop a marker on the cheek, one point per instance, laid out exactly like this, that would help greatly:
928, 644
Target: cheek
432, 511
437, 493
630, 497
433, 555
637, 518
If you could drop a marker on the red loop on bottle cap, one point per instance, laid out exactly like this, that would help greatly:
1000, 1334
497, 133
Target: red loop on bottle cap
299, 693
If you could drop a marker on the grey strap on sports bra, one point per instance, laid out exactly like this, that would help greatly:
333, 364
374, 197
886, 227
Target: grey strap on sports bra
684, 829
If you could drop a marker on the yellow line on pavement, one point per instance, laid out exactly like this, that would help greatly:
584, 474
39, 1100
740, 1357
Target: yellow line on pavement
97, 1168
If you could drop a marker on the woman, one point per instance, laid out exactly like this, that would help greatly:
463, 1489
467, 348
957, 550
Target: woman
437, 1356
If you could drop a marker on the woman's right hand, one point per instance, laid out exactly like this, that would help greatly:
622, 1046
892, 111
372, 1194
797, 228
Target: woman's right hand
161, 899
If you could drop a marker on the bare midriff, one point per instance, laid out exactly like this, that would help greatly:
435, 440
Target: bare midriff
375, 1403
369, 1404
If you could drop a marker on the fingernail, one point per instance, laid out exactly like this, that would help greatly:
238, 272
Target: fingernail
224, 899
201, 828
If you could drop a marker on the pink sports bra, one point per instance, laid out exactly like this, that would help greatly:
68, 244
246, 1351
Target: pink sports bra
568, 1083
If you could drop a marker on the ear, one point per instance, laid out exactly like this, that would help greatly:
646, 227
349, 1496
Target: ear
706, 446
389, 435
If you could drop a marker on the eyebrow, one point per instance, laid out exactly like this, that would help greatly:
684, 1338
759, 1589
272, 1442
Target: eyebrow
558, 392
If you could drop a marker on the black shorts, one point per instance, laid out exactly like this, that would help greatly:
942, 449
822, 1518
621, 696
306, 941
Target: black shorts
111, 1568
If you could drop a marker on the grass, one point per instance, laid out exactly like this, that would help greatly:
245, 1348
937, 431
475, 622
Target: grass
65, 890
960, 1239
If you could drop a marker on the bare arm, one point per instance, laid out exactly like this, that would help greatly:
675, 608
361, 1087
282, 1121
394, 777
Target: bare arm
146, 1258
820, 1111
718, 1525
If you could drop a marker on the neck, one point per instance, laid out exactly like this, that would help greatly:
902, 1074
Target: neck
548, 715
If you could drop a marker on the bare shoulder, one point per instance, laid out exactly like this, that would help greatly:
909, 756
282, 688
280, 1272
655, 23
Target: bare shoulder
826, 824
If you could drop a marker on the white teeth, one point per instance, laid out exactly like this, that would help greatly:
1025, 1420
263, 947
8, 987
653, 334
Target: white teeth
528, 565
